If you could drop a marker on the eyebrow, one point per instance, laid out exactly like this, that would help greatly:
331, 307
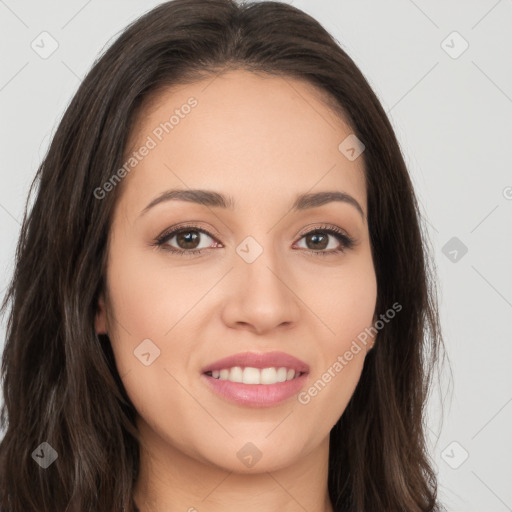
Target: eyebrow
218, 200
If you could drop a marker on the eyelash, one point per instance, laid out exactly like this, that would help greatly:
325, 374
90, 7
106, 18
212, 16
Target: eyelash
346, 242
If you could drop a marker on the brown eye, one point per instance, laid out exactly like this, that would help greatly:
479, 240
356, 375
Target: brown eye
186, 240
317, 241
327, 241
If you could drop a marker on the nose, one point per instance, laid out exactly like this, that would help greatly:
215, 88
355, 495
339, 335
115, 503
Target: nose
260, 295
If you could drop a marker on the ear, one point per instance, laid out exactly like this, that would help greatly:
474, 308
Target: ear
100, 322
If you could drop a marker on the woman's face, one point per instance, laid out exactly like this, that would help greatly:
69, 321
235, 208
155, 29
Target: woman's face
249, 277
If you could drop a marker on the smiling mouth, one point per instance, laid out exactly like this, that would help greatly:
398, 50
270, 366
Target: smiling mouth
251, 375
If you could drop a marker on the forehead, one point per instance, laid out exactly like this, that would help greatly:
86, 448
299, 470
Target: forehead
252, 135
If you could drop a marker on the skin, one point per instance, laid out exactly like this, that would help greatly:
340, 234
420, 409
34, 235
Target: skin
263, 140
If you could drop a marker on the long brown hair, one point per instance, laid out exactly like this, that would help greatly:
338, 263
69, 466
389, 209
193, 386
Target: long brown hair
60, 382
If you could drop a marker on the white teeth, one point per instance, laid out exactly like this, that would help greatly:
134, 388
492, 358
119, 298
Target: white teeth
236, 374
268, 376
281, 374
250, 375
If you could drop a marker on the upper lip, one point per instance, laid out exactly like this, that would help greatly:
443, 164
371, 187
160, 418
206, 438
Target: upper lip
259, 360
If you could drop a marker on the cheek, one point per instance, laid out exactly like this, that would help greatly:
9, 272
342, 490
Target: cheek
331, 392
147, 302
345, 304
147, 295
153, 304
343, 298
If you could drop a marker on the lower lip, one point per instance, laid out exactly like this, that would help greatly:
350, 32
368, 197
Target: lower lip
256, 395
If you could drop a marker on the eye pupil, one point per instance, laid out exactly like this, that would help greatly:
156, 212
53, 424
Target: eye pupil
315, 237
188, 237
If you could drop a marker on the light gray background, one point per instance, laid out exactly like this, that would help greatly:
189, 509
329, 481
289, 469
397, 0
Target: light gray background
453, 117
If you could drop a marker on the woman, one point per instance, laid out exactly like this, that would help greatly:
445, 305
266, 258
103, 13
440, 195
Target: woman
222, 297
